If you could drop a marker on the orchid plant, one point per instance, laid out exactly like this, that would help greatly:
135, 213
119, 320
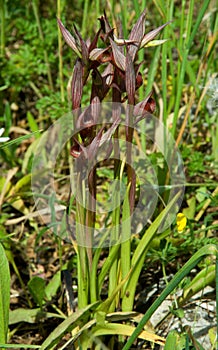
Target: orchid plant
111, 62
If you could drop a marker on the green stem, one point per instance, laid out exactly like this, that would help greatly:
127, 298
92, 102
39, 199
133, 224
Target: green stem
2, 16
131, 177
82, 261
85, 17
36, 14
82, 277
140, 252
184, 54
124, 17
60, 56
113, 274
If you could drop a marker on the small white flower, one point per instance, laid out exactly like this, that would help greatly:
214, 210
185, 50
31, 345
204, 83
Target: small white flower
3, 139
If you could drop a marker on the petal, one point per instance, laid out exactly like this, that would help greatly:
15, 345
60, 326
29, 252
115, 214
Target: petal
85, 119
95, 108
181, 222
93, 44
108, 74
76, 150
130, 79
105, 25
155, 42
70, 40
139, 108
119, 58
122, 42
84, 48
96, 53
4, 139
137, 34
77, 84
107, 135
151, 35
93, 147
1, 131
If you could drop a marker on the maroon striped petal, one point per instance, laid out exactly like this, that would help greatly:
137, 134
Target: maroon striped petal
119, 58
151, 35
70, 40
136, 35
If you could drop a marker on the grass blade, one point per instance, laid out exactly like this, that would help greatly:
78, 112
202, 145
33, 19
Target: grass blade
19, 346
19, 139
209, 249
4, 295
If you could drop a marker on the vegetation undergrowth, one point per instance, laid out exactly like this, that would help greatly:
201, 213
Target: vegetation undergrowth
144, 125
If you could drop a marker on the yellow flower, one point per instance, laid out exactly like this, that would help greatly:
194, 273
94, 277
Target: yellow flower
181, 222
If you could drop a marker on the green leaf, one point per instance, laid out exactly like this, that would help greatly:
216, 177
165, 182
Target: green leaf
190, 211
22, 184
201, 194
204, 278
36, 287
126, 244
126, 330
209, 249
53, 285
19, 346
140, 253
28, 154
175, 341
107, 264
4, 295
20, 139
67, 326
30, 315
32, 123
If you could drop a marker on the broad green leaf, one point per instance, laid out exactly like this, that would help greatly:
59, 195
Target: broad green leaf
4, 295
30, 315
36, 287
53, 285
175, 341
190, 211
